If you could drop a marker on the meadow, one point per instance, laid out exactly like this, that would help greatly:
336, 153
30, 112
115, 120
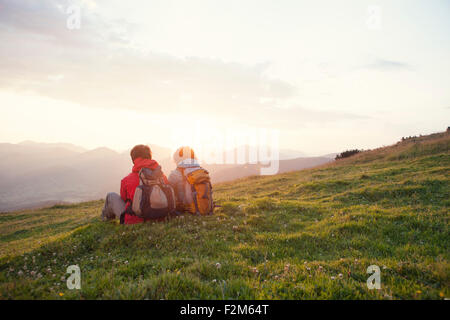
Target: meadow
309, 234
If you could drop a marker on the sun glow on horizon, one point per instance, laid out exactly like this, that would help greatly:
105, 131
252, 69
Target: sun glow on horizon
143, 72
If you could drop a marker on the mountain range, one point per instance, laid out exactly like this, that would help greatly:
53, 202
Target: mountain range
36, 174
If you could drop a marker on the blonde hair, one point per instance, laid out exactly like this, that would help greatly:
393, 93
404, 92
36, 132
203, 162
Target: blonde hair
183, 153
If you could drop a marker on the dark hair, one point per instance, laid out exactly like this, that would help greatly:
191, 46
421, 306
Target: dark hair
141, 151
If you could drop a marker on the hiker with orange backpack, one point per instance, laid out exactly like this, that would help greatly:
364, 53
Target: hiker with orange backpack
192, 184
145, 193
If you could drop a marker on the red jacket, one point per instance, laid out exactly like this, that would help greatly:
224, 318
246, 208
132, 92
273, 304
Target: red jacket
129, 184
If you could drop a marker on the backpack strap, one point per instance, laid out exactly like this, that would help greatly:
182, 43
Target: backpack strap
168, 191
194, 196
207, 190
194, 192
128, 210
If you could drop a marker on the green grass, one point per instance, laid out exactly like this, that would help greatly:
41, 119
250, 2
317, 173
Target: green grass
309, 234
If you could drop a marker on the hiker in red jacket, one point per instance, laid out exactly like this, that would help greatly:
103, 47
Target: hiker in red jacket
115, 205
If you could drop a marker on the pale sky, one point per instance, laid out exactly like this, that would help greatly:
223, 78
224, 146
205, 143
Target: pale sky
329, 75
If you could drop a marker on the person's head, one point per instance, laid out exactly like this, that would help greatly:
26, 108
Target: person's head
183, 153
140, 151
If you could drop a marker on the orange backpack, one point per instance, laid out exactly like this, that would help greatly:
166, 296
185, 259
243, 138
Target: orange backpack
201, 189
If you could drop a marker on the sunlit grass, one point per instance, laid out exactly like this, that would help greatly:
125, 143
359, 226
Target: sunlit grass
303, 235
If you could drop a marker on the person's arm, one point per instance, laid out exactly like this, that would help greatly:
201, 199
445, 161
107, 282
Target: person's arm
176, 181
173, 178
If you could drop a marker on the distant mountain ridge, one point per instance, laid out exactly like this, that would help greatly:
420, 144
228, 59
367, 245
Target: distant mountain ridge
36, 174
68, 146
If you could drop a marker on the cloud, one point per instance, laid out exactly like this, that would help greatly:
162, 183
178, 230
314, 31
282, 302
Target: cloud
297, 116
97, 66
388, 65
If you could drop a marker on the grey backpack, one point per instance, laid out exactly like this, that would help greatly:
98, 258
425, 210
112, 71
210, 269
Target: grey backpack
153, 198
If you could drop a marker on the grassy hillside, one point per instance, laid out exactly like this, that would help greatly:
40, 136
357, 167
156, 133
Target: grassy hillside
303, 235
